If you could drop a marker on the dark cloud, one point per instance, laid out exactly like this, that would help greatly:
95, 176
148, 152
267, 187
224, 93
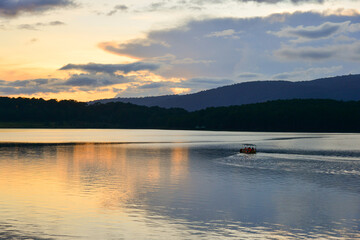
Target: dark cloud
112, 68
306, 53
26, 90
324, 30
340, 52
29, 83
88, 80
118, 8
11, 8
79, 82
98, 77
30, 86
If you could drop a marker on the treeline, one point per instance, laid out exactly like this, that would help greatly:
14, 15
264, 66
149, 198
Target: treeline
299, 115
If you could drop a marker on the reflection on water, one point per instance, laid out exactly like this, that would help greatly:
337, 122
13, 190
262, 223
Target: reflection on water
187, 189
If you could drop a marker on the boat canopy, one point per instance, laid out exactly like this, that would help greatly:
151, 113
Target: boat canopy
249, 145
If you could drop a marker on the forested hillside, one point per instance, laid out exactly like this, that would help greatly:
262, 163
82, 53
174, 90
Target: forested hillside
313, 115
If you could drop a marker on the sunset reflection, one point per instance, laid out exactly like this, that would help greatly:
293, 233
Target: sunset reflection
110, 172
179, 163
88, 176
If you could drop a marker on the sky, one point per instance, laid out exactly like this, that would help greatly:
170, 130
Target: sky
88, 49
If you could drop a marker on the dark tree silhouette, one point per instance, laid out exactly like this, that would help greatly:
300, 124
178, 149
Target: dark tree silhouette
310, 115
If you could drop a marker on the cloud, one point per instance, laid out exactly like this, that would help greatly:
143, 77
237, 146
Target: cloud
204, 83
193, 84
201, 54
354, 27
76, 82
306, 74
27, 27
152, 85
187, 45
33, 40
35, 26
249, 75
118, 8
168, 5
112, 68
198, 5
137, 48
340, 52
171, 59
148, 89
97, 78
325, 30
156, 6
170, 87
306, 53
12, 8
277, 1
228, 33
56, 23
266, 46
341, 12
90, 80
203, 2
30, 86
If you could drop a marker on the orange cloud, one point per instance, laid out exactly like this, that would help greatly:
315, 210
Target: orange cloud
180, 90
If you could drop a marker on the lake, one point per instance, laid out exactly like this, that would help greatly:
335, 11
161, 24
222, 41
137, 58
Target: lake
159, 184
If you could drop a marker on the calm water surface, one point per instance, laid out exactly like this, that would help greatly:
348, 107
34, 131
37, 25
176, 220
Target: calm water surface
154, 184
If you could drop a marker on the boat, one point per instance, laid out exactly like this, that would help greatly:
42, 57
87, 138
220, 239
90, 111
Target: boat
248, 149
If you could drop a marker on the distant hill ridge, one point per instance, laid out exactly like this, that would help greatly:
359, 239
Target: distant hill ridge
344, 88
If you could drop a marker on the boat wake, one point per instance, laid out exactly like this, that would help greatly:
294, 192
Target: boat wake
326, 163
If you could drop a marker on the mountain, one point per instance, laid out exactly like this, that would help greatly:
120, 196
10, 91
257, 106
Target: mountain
344, 88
